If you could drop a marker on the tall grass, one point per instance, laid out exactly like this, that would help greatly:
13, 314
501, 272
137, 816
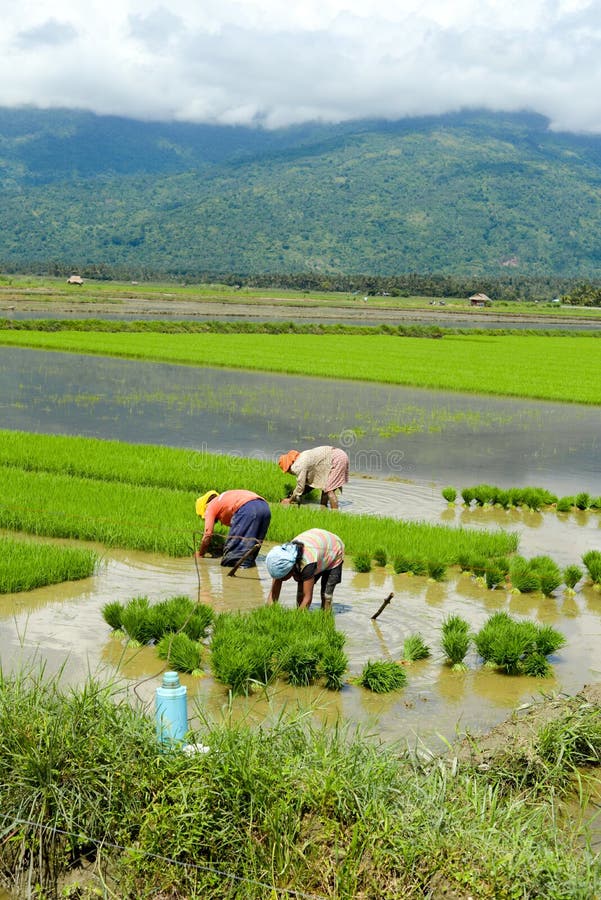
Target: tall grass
25, 565
281, 809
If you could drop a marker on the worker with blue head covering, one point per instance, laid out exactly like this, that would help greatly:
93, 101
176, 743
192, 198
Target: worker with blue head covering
312, 556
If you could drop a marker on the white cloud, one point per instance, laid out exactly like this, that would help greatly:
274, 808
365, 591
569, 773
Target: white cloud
284, 62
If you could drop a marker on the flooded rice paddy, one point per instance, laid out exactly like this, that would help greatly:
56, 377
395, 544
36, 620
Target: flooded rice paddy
423, 439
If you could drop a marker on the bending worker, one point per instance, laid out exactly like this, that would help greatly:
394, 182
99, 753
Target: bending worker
248, 517
325, 468
312, 556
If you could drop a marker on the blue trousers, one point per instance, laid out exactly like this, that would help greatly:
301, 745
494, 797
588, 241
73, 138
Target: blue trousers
247, 529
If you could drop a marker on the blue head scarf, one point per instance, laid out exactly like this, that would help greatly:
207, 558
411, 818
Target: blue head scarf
280, 560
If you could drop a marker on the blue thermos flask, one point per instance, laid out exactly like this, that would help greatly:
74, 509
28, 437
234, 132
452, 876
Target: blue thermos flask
171, 710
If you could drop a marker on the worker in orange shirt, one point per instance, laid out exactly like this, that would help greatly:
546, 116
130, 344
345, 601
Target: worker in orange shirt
245, 513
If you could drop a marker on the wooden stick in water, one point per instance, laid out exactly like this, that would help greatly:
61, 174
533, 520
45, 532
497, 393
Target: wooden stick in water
383, 606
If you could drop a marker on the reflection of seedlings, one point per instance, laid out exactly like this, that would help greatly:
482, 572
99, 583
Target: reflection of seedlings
362, 562
571, 576
414, 648
455, 641
381, 677
181, 652
449, 494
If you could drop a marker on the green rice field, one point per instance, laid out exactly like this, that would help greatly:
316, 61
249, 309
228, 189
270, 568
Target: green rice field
548, 368
25, 565
144, 516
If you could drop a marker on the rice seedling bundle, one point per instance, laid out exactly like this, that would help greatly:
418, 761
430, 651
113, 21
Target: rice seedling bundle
549, 573
484, 494
382, 676
253, 648
571, 576
436, 569
25, 565
494, 576
136, 621
449, 494
181, 652
524, 578
414, 648
565, 504
517, 646
362, 562
380, 556
582, 501
592, 561
455, 641
112, 613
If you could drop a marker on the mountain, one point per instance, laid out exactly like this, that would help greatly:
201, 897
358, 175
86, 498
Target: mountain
467, 194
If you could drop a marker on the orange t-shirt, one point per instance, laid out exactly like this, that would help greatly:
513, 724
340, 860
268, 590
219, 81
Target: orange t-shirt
223, 507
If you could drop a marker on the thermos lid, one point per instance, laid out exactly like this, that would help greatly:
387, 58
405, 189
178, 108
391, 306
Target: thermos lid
170, 680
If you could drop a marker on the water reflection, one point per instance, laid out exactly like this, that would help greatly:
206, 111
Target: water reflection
411, 434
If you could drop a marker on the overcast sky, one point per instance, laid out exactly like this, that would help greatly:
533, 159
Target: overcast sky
278, 62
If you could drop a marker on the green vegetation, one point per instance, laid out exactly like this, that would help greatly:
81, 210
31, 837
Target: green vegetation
517, 647
472, 194
592, 561
571, 576
25, 565
540, 573
459, 363
250, 650
382, 676
143, 622
455, 641
414, 648
84, 779
162, 520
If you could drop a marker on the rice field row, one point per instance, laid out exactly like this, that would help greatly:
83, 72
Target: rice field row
546, 368
25, 565
141, 464
163, 520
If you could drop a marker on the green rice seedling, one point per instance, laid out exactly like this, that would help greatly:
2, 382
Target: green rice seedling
478, 565
592, 561
414, 648
510, 645
503, 498
484, 494
112, 613
523, 577
516, 496
549, 573
536, 665
455, 641
380, 556
596, 502
582, 501
548, 640
419, 565
401, 563
532, 498
571, 576
136, 621
180, 613
467, 495
436, 569
299, 662
25, 565
485, 637
381, 677
549, 498
464, 561
362, 562
449, 494
181, 652
494, 576
332, 667
565, 504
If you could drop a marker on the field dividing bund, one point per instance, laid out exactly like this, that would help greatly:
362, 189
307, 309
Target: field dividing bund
163, 520
537, 367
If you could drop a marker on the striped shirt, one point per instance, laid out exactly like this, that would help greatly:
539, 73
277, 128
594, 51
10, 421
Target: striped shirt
321, 547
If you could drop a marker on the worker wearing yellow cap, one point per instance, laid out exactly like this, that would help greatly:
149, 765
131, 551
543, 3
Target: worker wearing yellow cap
245, 513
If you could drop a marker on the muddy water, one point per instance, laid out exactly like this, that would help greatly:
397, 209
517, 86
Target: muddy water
63, 625
410, 434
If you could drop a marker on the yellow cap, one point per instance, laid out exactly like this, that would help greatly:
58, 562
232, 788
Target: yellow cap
201, 503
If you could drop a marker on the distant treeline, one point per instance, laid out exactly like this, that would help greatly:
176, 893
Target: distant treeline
404, 285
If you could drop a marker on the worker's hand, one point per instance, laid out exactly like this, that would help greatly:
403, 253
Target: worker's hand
286, 501
198, 554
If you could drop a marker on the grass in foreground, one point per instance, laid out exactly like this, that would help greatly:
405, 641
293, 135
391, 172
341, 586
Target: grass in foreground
285, 808
25, 565
546, 368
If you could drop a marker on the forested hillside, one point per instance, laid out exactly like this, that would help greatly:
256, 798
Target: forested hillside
465, 194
